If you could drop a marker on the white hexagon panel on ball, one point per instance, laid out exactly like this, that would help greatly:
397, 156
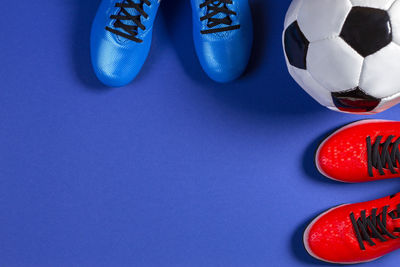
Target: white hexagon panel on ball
345, 53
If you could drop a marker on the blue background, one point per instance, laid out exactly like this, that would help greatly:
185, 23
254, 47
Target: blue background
172, 170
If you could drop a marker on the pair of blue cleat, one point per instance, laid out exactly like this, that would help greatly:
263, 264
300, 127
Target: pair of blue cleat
122, 32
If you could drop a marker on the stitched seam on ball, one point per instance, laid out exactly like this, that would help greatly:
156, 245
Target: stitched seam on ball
295, 17
363, 68
398, 92
322, 86
359, 78
327, 38
394, 96
394, 42
359, 75
341, 27
387, 10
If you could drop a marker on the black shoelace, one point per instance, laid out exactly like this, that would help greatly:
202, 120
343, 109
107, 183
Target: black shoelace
130, 31
374, 226
383, 155
214, 9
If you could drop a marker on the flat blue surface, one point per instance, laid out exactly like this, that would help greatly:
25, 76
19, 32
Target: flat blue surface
172, 170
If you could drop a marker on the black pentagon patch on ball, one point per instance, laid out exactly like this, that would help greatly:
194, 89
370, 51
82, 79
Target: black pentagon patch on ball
296, 46
355, 101
367, 30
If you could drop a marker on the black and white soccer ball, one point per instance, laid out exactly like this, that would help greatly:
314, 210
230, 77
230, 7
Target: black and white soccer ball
345, 53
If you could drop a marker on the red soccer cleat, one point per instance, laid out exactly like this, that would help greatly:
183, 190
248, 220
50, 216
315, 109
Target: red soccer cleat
355, 233
363, 151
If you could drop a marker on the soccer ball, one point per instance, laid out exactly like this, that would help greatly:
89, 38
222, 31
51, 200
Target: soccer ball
345, 53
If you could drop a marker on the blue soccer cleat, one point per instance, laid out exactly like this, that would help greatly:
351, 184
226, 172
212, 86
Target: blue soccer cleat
223, 37
121, 38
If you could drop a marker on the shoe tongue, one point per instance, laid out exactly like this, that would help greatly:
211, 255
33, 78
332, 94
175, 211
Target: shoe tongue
393, 221
220, 15
391, 224
131, 11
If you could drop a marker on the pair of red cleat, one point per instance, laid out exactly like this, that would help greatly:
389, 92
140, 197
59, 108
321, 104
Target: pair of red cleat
359, 152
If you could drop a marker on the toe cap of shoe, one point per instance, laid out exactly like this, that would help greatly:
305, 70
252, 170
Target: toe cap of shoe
224, 60
117, 64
